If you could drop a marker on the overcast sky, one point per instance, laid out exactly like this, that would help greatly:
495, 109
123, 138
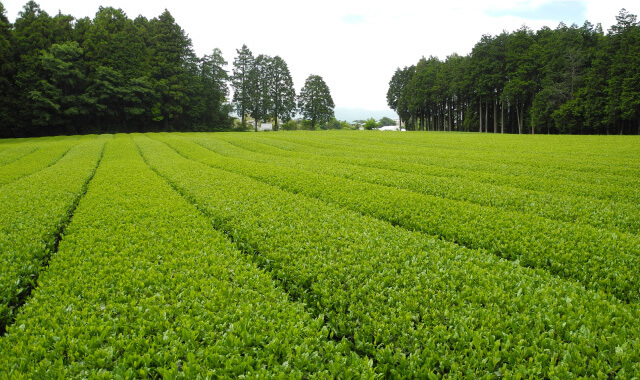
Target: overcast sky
355, 45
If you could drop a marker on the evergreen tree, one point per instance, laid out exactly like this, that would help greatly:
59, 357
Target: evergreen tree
567, 80
57, 99
521, 72
108, 74
259, 85
7, 72
397, 85
34, 32
173, 66
315, 102
623, 88
242, 67
214, 112
281, 91
112, 41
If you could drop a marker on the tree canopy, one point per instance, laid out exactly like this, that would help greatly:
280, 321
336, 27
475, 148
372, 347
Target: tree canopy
59, 75
315, 101
243, 65
263, 88
565, 80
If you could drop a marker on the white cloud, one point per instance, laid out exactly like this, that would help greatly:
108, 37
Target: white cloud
356, 59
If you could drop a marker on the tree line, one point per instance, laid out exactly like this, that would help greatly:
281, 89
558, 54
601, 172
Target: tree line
107, 74
61, 75
263, 90
572, 80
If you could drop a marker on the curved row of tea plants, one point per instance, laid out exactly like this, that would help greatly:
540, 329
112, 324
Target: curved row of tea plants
33, 212
420, 307
14, 149
449, 165
569, 208
598, 259
587, 160
48, 154
143, 287
9, 154
604, 157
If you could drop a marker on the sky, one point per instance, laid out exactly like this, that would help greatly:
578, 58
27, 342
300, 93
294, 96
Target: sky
354, 45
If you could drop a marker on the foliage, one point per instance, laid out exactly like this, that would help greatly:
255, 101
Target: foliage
7, 68
36, 205
111, 73
315, 102
306, 255
336, 124
281, 92
567, 80
306, 125
386, 121
212, 109
370, 124
39, 157
396, 98
259, 83
526, 240
265, 91
303, 234
142, 287
290, 125
242, 91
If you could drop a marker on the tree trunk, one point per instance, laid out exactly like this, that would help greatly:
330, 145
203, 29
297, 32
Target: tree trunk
519, 121
466, 126
502, 116
480, 108
495, 116
454, 108
275, 122
449, 110
486, 117
432, 121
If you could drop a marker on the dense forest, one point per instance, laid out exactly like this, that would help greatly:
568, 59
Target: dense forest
59, 75
574, 80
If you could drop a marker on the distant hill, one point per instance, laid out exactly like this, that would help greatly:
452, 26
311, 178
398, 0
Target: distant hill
351, 114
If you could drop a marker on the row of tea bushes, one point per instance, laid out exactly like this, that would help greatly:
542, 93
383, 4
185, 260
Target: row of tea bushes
13, 152
579, 159
616, 188
419, 307
43, 155
599, 213
33, 213
143, 287
598, 259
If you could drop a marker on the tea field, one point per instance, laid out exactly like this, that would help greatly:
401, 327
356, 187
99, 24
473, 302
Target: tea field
320, 255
